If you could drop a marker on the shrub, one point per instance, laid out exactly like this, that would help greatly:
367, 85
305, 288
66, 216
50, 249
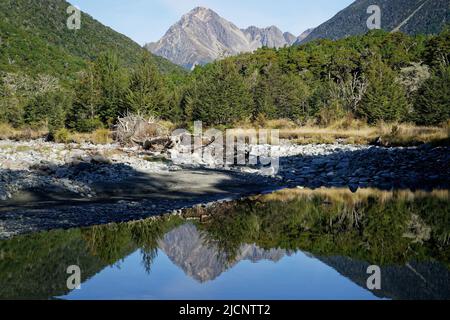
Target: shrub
432, 105
101, 136
6, 131
385, 98
89, 125
47, 109
61, 136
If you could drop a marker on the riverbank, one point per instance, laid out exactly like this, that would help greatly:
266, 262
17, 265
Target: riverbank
46, 186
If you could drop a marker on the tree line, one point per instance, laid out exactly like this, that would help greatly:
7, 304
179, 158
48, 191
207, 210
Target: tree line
376, 77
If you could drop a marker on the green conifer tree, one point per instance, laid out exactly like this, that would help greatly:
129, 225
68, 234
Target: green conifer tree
385, 98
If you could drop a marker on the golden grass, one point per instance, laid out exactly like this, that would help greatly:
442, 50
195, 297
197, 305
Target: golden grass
26, 133
409, 134
347, 130
99, 136
357, 132
354, 131
383, 134
344, 195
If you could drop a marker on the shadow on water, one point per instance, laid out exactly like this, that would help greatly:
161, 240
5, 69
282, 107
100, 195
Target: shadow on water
406, 233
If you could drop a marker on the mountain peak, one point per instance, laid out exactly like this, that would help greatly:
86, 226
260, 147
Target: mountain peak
202, 36
201, 13
200, 9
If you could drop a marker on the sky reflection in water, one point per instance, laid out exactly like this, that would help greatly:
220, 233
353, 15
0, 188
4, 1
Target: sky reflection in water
294, 244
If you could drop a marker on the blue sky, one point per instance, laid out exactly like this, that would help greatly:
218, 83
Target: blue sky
147, 20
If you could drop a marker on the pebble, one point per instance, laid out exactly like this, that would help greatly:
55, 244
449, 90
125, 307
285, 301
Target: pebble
39, 164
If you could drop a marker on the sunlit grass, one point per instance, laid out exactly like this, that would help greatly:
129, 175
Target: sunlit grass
353, 131
344, 195
349, 131
26, 133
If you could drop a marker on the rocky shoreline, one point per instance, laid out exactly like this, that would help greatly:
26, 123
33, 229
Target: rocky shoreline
333, 166
46, 185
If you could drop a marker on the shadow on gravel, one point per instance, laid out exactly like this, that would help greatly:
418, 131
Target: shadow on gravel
423, 168
119, 193
107, 183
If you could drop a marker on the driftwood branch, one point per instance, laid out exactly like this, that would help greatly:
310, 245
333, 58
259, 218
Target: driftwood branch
135, 130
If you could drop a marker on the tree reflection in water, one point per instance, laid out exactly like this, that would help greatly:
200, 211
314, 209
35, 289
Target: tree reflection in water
391, 229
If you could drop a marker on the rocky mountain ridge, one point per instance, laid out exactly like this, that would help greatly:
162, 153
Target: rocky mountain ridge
202, 36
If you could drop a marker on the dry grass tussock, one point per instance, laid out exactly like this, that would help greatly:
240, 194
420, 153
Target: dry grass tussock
99, 136
26, 133
344, 195
347, 130
353, 131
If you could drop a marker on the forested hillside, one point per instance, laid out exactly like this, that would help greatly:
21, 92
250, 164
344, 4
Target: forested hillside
409, 16
35, 39
41, 59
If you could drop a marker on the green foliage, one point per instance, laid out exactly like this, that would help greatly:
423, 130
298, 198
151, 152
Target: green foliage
112, 84
432, 105
10, 109
385, 98
278, 95
372, 77
88, 125
60, 136
83, 114
437, 50
35, 42
47, 109
323, 80
147, 93
35, 36
218, 95
22, 50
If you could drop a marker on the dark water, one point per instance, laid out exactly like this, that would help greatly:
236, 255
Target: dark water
290, 245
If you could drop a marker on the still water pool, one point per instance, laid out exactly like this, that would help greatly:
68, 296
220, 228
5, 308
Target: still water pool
294, 244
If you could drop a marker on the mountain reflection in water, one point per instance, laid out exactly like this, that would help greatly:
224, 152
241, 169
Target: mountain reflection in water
293, 244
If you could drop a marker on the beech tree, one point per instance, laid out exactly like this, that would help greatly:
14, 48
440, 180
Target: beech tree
385, 98
219, 95
432, 105
147, 93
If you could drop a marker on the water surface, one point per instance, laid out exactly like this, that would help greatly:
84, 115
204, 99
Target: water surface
294, 244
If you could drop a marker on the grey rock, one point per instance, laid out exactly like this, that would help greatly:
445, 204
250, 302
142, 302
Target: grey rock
202, 36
